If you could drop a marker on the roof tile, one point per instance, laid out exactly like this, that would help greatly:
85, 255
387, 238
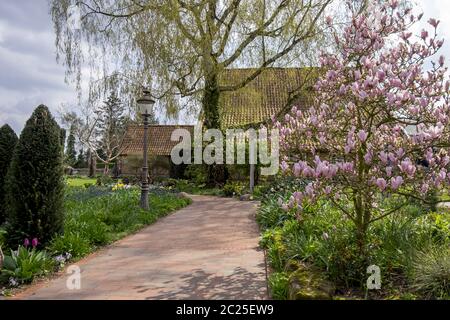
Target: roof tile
159, 140
266, 95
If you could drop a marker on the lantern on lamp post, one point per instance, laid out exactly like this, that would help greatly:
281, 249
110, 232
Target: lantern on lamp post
145, 105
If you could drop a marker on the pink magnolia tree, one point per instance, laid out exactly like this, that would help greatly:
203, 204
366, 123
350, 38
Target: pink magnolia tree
379, 124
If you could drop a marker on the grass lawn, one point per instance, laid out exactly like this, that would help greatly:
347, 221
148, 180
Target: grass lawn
80, 182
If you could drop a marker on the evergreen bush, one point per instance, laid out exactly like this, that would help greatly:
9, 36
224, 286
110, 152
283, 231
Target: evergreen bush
35, 181
8, 141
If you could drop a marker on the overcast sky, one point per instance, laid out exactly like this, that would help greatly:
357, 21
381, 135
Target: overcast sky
29, 74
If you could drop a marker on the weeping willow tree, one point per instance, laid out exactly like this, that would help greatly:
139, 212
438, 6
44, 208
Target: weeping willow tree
180, 48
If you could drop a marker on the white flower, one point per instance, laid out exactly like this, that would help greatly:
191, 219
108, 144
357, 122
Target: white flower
13, 282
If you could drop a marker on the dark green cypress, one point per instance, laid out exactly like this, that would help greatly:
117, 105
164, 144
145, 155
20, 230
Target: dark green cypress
35, 181
71, 153
8, 141
63, 138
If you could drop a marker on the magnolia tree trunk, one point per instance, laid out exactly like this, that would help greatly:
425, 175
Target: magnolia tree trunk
362, 212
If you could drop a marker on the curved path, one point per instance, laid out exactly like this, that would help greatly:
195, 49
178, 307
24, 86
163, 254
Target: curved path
208, 250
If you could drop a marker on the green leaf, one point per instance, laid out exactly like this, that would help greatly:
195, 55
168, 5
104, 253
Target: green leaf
9, 263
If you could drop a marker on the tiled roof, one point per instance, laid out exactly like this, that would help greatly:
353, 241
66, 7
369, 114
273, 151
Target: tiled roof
268, 94
158, 138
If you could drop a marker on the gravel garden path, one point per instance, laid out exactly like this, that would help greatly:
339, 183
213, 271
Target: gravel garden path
208, 250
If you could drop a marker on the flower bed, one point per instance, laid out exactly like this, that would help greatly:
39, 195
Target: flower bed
411, 248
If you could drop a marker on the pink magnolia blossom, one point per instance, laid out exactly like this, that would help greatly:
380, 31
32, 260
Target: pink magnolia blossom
400, 153
347, 166
424, 34
381, 183
297, 169
368, 157
298, 196
396, 182
383, 157
284, 166
362, 135
407, 167
424, 188
388, 171
434, 22
309, 190
381, 75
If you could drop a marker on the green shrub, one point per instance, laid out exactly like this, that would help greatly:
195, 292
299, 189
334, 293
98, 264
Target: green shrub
431, 275
3, 235
281, 187
280, 242
130, 179
196, 173
24, 265
271, 215
104, 180
177, 184
233, 188
72, 243
35, 181
8, 141
393, 242
279, 285
182, 185
440, 226
321, 237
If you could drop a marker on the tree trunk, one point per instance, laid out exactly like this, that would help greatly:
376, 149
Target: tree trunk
92, 164
210, 103
361, 225
217, 173
361, 238
106, 169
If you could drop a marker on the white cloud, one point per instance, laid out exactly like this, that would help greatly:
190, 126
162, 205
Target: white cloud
29, 73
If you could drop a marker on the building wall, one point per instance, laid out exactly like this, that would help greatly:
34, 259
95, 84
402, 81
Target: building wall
159, 166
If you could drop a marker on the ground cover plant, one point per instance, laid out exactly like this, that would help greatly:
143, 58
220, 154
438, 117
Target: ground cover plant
411, 248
